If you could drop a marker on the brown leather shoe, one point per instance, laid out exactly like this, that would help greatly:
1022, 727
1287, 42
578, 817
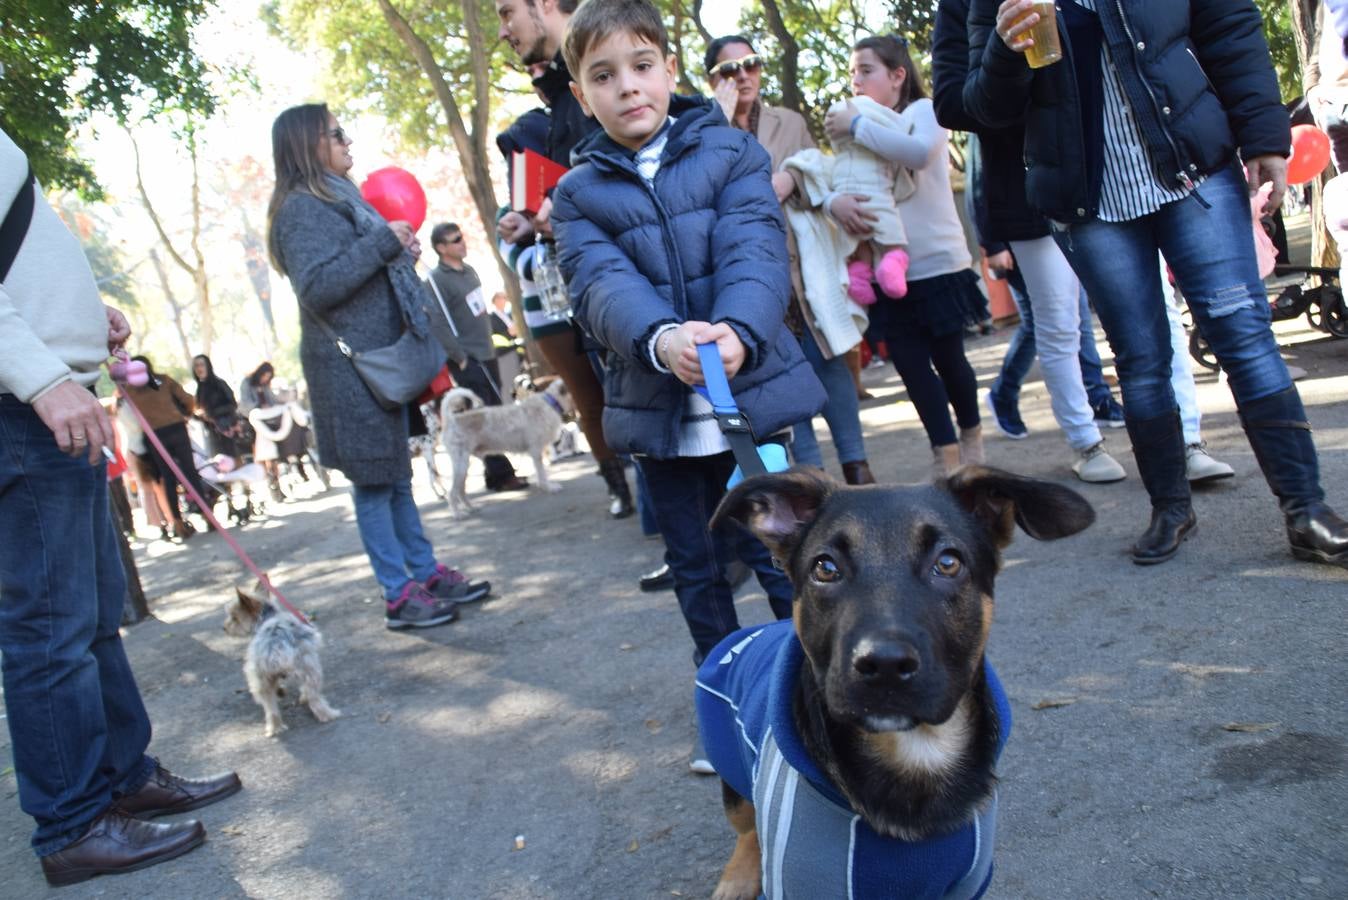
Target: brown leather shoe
117, 843
166, 794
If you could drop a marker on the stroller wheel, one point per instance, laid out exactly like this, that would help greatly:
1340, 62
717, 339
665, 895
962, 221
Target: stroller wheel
1201, 352
1333, 311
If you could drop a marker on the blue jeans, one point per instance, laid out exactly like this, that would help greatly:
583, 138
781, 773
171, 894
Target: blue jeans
684, 493
78, 726
390, 529
842, 411
1209, 245
1020, 352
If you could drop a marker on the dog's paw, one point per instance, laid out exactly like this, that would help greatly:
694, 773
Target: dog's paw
273, 729
737, 889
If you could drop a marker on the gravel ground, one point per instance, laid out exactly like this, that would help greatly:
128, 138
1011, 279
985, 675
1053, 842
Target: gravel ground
1179, 730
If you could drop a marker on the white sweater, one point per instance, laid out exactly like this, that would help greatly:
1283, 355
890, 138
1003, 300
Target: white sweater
52, 324
936, 244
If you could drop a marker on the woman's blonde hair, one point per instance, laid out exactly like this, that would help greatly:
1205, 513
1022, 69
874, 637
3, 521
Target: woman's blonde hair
296, 136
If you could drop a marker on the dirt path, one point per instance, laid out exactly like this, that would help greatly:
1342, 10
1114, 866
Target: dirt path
560, 710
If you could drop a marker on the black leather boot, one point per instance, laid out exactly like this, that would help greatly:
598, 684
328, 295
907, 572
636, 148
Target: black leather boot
1158, 445
858, 472
619, 497
1283, 445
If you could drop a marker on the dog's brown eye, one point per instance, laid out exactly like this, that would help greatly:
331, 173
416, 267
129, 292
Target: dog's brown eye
948, 565
825, 570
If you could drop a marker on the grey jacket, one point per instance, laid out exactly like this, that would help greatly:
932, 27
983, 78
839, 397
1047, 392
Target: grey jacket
467, 334
344, 278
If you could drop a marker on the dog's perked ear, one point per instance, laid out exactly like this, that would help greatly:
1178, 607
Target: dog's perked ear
252, 598
777, 507
1000, 500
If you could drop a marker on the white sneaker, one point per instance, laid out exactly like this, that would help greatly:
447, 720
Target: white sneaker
1201, 467
1096, 466
698, 763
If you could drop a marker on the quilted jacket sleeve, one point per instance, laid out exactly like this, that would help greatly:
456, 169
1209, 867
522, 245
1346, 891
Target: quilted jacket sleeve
997, 88
752, 281
1228, 38
614, 302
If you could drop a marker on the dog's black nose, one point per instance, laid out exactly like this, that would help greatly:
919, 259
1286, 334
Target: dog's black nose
880, 660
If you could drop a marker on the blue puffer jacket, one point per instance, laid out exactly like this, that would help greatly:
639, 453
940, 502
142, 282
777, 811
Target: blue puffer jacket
1197, 75
706, 243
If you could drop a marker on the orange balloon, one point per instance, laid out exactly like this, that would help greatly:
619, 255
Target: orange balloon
1310, 154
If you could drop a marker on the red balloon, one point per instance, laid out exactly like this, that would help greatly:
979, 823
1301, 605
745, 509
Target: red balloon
1310, 154
396, 194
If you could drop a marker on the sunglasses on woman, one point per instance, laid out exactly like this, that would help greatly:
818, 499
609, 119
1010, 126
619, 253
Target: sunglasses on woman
337, 133
731, 67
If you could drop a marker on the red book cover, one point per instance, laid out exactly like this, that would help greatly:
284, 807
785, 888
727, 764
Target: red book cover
532, 175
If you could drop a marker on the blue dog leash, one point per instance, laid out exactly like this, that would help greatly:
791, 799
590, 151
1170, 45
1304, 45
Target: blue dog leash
752, 458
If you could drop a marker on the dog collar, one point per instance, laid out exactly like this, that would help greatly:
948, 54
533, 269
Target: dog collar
552, 401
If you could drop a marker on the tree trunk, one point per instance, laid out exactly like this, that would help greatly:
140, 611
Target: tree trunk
791, 96
174, 307
472, 148
198, 271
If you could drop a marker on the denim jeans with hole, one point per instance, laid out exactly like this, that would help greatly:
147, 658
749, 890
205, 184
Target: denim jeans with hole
842, 411
390, 529
1208, 240
684, 493
76, 721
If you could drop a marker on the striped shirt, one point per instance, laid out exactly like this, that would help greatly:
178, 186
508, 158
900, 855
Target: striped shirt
813, 844
699, 433
1129, 187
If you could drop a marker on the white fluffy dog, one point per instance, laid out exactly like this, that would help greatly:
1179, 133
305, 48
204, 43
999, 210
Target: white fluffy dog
469, 428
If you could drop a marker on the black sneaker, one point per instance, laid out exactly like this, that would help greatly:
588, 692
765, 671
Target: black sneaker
1007, 418
1108, 413
662, 579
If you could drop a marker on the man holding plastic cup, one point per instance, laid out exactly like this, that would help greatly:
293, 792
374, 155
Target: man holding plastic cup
1133, 144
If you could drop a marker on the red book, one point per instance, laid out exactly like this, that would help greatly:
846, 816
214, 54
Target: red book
532, 175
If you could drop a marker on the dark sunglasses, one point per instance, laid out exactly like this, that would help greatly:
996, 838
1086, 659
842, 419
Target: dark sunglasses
339, 134
731, 67
457, 239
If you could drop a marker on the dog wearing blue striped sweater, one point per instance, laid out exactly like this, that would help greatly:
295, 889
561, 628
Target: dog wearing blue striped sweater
857, 742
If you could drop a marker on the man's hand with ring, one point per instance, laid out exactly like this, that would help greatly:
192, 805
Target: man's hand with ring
1014, 33
76, 420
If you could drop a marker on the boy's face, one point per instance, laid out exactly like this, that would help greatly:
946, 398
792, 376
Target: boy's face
625, 82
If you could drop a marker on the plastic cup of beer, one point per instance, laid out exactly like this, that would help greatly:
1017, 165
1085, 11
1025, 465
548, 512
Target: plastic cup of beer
1047, 49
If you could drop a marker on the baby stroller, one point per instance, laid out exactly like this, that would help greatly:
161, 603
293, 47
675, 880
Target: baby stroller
283, 437
1310, 291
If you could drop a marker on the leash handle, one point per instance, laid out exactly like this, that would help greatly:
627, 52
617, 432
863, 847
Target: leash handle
209, 514
751, 459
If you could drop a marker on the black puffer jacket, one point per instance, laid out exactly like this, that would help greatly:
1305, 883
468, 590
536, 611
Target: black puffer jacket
569, 125
1003, 213
1196, 73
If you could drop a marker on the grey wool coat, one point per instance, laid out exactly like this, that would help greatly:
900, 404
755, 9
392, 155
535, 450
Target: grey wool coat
343, 277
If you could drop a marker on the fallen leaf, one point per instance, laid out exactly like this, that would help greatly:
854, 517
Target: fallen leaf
383, 717
1249, 727
626, 647
519, 842
632, 847
1054, 703
654, 726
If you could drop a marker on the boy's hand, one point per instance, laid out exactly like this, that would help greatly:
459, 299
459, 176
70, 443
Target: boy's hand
513, 227
678, 351
728, 344
543, 221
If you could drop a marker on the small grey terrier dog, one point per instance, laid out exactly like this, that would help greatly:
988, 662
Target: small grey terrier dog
281, 646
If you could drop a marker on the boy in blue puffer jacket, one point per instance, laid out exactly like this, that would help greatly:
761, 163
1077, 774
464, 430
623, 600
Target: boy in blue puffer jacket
670, 236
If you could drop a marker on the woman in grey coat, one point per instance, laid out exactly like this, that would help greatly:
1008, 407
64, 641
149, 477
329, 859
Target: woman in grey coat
355, 270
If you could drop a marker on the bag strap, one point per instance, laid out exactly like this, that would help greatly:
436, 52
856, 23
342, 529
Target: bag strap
734, 424
342, 345
15, 227
435, 288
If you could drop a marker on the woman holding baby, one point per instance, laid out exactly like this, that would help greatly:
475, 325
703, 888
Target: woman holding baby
735, 72
924, 331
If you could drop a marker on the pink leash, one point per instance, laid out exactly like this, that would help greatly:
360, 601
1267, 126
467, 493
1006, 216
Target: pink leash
209, 514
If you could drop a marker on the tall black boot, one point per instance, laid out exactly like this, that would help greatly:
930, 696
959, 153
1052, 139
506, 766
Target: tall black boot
619, 497
1158, 445
1282, 442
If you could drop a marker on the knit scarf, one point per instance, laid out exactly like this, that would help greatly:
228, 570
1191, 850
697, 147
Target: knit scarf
402, 274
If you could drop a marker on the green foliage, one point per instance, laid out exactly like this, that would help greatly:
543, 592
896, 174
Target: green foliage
1282, 46
825, 32
371, 69
64, 61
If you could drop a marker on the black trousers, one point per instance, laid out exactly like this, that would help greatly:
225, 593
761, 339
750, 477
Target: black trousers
484, 379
